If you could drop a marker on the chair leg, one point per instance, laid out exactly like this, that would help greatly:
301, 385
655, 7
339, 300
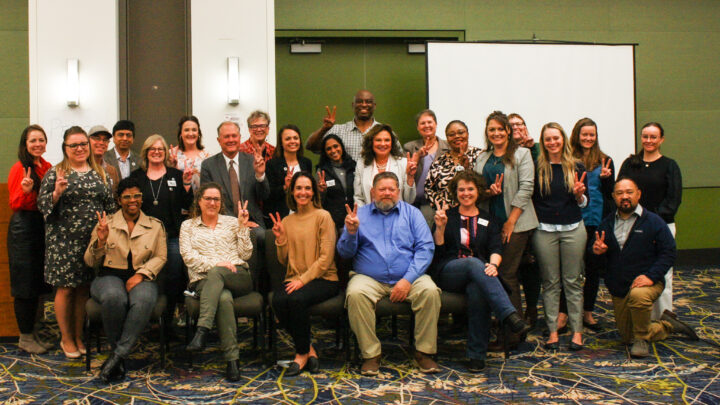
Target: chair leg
411, 338
162, 343
255, 333
88, 346
261, 319
394, 327
273, 337
190, 328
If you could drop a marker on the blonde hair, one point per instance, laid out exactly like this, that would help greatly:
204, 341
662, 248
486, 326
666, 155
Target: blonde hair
65, 163
147, 145
544, 169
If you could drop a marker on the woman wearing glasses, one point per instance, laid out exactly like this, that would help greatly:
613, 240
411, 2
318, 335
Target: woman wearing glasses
70, 196
259, 126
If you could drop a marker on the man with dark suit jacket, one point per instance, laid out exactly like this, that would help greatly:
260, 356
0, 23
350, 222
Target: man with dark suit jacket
121, 157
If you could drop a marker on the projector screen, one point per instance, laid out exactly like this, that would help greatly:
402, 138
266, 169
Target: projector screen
541, 82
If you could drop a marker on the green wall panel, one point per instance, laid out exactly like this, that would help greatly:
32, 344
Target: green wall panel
13, 15
697, 220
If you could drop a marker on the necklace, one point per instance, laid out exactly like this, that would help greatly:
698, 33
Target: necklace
152, 189
381, 167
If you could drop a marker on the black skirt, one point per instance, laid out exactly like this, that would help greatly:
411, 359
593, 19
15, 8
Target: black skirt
26, 254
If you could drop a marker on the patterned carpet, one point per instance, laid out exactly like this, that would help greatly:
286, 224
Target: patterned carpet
678, 371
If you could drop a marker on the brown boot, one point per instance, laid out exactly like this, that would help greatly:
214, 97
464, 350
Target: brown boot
27, 343
425, 363
370, 366
678, 326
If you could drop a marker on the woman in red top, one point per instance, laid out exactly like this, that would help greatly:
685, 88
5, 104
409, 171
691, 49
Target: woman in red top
26, 236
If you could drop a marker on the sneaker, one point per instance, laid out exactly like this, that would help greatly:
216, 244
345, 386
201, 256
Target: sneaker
28, 343
678, 326
370, 366
640, 348
425, 363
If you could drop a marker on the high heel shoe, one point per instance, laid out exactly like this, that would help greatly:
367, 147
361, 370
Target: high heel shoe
69, 355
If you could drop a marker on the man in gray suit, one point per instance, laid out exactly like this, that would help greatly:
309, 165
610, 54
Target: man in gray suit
121, 157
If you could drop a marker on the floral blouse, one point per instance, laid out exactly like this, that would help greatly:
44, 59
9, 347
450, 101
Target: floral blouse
440, 174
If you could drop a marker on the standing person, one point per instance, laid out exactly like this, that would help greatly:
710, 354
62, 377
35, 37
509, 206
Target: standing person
660, 181
70, 195
381, 152
391, 247
510, 172
639, 250
99, 139
428, 148
259, 127
26, 237
336, 175
559, 241
351, 132
461, 156
125, 286
121, 157
287, 160
467, 258
166, 194
522, 136
305, 242
190, 151
216, 249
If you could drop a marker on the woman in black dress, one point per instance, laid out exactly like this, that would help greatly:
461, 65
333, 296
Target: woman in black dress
336, 174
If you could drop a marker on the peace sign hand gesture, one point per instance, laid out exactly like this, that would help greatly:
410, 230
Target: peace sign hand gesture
352, 223
322, 185
411, 168
496, 187
243, 214
102, 228
27, 182
579, 187
188, 172
599, 247
605, 170
173, 156
278, 229
259, 164
329, 119
288, 178
441, 218
61, 184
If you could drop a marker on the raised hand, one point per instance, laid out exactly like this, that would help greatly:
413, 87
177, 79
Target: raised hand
322, 185
329, 119
579, 187
605, 170
61, 184
288, 178
599, 246
352, 223
102, 229
411, 168
278, 229
259, 164
188, 172
173, 156
27, 182
496, 187
243, 214
441, 217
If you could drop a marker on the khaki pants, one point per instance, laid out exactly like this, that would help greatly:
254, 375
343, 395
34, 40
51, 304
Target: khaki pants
632, 315
364, 292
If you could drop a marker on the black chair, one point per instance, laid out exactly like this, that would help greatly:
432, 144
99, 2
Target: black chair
331, 308
93, 322
251, 305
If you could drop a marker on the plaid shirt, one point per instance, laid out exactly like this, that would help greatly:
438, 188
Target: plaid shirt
351, 137
268, 150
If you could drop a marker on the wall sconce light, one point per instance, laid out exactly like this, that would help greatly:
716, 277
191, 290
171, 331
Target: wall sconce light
72, 83
233, 80
305, 47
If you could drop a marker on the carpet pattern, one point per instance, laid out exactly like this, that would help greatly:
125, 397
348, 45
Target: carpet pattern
678, 371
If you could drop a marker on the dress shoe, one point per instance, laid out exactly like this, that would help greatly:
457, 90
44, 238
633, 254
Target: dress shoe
595, 327
515, 324
371, 366
497, 347
425, 363
554, 346
563, 330
197, 344
640, 348
232, 373
475, 365
69, 355
574, 347
27, 343
531, 316
293, 369
313, 365
113, 369
678, 326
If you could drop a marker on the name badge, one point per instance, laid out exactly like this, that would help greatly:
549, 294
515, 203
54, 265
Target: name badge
638, 231
330, 183
482, 222
172, 183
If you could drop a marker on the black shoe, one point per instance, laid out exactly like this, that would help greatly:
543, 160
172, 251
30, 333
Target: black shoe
113, 369
515, 323
678, 326
197, 344
475, 365
293, 370
232, 373
563, 330
574, 347
313, 365
595, 327
554, 346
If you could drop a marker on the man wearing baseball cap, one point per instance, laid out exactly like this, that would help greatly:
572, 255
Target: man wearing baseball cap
121, 157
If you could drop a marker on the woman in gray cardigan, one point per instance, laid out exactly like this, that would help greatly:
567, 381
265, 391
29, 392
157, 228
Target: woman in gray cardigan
510, 174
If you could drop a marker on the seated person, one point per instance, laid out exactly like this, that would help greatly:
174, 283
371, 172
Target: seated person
128, 249
639, 250
391, 247
467, 257
305, 243
215, 249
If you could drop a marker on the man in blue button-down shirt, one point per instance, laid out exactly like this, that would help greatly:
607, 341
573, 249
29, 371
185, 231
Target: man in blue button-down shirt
390, 251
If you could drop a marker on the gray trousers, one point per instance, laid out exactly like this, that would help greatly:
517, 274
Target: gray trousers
124, 314
560, 257
217, 292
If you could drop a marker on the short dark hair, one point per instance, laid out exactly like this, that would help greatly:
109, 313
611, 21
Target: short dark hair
127, 183
324, 159
386, 175
124, 125
469, 176
621, 178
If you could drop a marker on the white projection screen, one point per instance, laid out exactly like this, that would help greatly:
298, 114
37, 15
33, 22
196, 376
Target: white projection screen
541, 82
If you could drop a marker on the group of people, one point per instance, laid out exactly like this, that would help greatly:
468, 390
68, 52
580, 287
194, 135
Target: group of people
435, 215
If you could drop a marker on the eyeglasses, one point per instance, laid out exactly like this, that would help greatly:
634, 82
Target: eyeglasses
100, 138
128, 197
454, 134
156, 149
77, 145
255, 127
517, 124
211, 199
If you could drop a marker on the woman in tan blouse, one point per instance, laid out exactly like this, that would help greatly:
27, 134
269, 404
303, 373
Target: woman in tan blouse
215, 249
306, 245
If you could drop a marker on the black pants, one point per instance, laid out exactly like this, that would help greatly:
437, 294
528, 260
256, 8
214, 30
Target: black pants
292, 309
593, 266
25, 312
529, 276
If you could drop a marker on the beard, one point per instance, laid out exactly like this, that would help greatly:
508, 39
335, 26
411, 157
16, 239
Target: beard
626, 209
385, 206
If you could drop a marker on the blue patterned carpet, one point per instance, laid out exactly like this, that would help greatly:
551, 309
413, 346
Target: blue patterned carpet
678, 371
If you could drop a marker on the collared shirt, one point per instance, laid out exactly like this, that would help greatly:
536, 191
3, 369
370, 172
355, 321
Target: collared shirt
267, 150
236, 159
389, 247
623, 226
123, 164
351, 137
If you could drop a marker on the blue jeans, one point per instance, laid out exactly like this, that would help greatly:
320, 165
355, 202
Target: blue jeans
485, 294
124, 314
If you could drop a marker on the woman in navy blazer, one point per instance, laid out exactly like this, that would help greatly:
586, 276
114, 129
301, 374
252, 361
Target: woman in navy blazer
336, 192
287, 160
467, 256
